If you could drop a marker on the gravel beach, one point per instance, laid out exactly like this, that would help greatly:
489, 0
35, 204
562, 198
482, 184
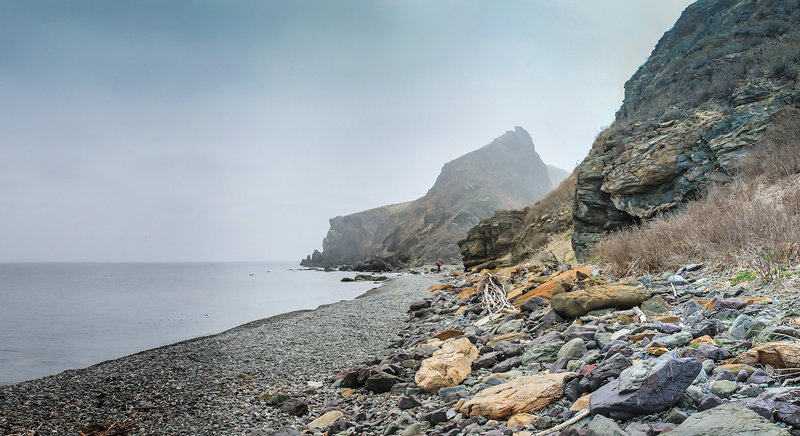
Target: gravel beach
212, 385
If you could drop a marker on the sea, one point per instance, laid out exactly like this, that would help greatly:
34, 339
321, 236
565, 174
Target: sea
58, 316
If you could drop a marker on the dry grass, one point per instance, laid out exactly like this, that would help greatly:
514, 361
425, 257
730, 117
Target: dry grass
753, 222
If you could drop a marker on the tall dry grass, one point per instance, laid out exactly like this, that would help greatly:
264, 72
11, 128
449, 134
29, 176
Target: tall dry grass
753, 221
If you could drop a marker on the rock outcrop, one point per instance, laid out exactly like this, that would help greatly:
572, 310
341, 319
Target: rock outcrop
704, 97
505, 174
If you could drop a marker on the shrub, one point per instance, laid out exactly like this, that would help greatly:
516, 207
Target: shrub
753, 221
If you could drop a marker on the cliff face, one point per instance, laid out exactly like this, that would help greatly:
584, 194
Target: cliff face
703, 98
505, 174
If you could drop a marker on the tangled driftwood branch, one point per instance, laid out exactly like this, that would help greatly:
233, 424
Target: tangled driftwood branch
494, 291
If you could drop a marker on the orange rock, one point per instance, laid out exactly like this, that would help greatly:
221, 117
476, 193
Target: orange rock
523, 394
581, 403
733, 368
442, 287
705, 339
758, 300
522, 420
667, 318
448, 366
656, 351
563, 281
468, 292
347, 392
645, 334
462, 309
784, 354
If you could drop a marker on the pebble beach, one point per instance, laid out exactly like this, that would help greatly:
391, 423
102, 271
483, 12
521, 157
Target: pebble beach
212, 385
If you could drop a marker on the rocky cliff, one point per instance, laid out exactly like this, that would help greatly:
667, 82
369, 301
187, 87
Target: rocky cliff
704, 97
505, 174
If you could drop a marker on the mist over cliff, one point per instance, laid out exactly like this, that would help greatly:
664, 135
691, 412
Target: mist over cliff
505, 174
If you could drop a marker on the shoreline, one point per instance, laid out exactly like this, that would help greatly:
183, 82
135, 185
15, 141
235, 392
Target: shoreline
211, 376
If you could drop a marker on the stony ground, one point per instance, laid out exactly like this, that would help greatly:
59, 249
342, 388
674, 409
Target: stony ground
698, 351
212, 385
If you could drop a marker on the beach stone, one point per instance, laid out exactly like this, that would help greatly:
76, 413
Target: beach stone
275, 400
785, 354
408, 402
508, 327
676, 416
609, 369
524, 394
507, 365
760, 376
521, 420
691, 307
691, 396
578, 303
573, 349
448, 366
676, 279
645, 388
294, 407
714, 352
655, 306
670, 328
602, 339
742, 327
326, 419
487, 360
412, 430
285, 432
708, 401
533, 304
676, 339
380, 382
542, 353
437, 416
581, 403
727, 419
602, 426
444, 392
733, 368
723, 388
704, 328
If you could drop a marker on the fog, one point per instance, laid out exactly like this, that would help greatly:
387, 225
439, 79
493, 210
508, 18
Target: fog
233, 130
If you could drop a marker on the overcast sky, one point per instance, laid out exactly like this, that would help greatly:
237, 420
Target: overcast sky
233, 130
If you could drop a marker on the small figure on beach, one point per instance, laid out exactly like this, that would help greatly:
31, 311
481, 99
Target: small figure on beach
439, 265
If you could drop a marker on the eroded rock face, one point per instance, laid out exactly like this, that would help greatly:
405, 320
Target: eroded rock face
448, 366
523, 394
577, 303
690, 112
505, 174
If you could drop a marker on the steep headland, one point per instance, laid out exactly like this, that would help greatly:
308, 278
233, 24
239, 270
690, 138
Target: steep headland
505, 174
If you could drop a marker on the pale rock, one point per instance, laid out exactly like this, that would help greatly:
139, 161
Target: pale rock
448, 366
520, 395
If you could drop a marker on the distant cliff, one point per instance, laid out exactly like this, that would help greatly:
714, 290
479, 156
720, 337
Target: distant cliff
505, 174
703, 98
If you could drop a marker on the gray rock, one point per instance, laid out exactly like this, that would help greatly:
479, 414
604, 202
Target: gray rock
294, 407
742, 327
648, 387
573, 349
708, 366
727, 419
723, 388
444, 392
508, 327
708, 401
602, 339
602, 426
605, 371
691, 396
676, 416
691, 307
507, 365
285, 432
543, 353
676, 339
676, 280
412, 430
380, 382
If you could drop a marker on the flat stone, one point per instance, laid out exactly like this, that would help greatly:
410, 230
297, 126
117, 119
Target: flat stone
785, 354
326, 419
448, 366
521, 420
723, 388
524, 394
655, 306
742, 327
573, 349
727, 419
602, 426
542, 353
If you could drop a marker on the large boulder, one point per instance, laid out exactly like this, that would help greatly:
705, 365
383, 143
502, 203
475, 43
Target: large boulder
448, 366
776, 354
523, 394
578, 303
648, 387
727, 419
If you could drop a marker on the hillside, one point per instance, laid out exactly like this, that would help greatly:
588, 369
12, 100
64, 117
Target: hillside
706, 95
505, 174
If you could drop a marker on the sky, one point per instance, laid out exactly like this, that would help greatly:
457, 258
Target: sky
162, 131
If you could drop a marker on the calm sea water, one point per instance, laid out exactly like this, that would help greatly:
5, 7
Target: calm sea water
56, 316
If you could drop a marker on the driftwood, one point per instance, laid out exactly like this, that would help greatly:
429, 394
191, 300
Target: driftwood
630, 312
494, 293
565, 424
